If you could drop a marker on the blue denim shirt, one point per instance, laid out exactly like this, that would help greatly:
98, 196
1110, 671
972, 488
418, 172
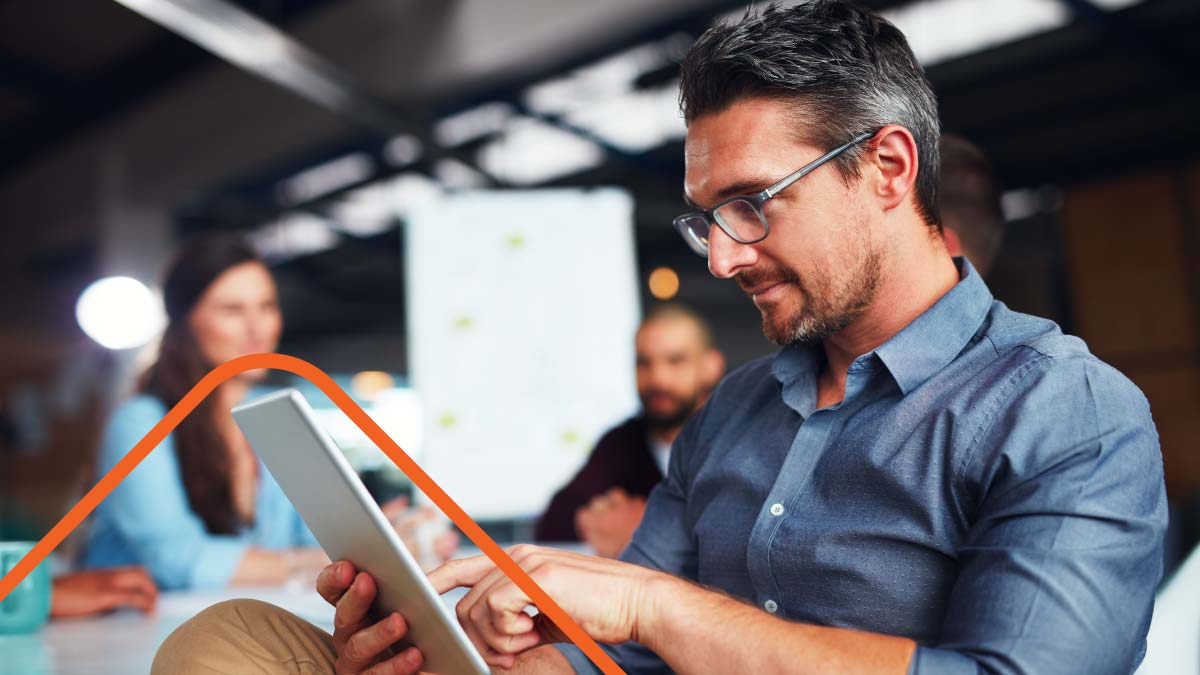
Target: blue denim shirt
987, 487
148, 521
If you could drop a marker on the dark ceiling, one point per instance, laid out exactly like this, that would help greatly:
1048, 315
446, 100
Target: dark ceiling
1109, 93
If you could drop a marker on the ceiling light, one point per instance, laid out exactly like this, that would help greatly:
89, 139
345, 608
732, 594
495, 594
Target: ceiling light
636, 121
473, 123
605, 78
531, 151
402, 150
293, 235
457, 175
941, 30
325, 178
119, 313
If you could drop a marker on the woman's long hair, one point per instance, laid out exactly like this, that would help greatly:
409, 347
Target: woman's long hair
204, 457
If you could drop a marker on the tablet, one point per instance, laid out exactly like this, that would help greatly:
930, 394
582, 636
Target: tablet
336, 506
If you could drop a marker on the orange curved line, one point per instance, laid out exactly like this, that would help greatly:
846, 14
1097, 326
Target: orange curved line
415, 473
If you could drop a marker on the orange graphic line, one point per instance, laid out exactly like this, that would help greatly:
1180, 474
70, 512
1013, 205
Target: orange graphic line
406, 464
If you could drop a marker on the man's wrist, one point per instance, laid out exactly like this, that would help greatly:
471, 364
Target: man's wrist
658, 595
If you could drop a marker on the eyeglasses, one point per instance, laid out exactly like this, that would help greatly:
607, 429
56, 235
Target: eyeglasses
742, 217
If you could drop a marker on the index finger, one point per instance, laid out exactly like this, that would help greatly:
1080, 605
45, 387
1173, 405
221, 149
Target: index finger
461, 572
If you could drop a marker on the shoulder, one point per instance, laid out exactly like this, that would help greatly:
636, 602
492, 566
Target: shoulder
631, 432
140, 407
1038, 357
1047, 397
129, 422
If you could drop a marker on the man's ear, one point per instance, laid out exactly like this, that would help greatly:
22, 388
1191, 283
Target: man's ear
895, 164
713, 366
953, 243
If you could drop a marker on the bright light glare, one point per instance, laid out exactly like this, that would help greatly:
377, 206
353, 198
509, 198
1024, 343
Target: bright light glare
941, 30
119, 313
531, 151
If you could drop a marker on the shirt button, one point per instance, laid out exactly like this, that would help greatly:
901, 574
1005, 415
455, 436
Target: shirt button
771, 606
777, 509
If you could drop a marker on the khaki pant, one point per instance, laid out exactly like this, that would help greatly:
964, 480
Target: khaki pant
246, 637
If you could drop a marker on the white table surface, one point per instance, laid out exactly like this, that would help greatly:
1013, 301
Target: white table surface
124, 642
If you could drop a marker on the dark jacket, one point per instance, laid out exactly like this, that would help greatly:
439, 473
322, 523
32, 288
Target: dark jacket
621, 459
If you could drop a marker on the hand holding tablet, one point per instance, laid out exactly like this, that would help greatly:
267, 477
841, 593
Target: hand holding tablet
339, 511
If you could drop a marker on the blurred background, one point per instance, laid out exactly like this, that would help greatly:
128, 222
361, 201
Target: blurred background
389, 157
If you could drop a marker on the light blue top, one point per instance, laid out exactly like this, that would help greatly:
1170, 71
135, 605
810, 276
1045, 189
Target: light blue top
148, 521
987, 488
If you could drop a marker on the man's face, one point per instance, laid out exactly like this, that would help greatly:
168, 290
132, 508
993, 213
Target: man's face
674, 370
819, 267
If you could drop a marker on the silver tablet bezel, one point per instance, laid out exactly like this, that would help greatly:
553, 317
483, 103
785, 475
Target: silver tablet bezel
332, 500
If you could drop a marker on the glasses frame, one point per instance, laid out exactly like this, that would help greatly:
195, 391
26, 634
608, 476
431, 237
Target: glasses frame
757, 201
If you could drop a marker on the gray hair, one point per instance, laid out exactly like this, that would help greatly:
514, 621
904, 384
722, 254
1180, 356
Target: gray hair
847, 70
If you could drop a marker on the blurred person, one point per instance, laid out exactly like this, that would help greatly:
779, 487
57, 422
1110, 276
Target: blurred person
677, 366
921, 480
969, 200
201, 511
83, 594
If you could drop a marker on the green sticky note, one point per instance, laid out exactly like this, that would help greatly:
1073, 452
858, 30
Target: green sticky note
516, 241
571, 437
448, 421
464, 322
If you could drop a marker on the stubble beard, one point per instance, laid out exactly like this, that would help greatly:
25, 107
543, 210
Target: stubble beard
827, 308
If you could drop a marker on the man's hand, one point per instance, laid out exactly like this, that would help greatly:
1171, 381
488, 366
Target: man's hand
362, 646
607, 598
410, 523
608, 521
88, 593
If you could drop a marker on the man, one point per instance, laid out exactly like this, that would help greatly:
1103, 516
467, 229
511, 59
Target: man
920, 481
677, 366
969, 200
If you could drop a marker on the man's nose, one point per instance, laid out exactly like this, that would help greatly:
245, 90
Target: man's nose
727, 257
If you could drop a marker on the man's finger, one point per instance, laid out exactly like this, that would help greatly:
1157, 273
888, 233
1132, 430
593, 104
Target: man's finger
407, 662
366, 645
333, 581
351, 614
461, 572
500, 628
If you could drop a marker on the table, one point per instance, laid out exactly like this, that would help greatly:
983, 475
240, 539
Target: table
125, 642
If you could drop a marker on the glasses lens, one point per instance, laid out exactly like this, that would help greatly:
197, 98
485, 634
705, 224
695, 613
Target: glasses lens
742, 221
693, 227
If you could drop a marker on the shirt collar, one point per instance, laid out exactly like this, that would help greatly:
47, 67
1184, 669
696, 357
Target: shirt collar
919, 351
931, 341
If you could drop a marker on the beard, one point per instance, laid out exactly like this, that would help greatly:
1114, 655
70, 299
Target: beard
669, 419
828, 306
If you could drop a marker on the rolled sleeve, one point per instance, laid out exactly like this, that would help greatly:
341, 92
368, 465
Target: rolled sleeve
1059, 569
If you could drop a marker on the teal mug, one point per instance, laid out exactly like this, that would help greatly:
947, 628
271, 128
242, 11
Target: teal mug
28, 606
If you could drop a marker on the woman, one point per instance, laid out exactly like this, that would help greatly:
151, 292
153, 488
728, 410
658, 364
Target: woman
201, 511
